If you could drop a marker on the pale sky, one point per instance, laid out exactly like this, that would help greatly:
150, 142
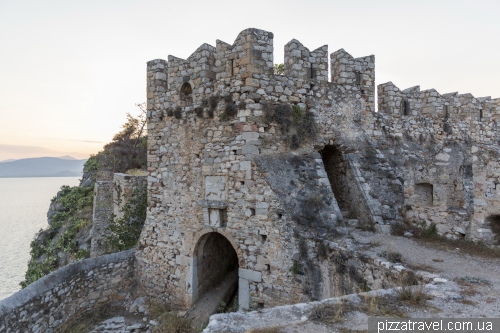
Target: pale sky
70, 70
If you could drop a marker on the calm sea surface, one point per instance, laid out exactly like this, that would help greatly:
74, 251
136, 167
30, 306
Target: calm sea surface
23, 212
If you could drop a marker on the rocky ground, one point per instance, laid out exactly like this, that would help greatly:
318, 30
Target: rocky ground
463, 286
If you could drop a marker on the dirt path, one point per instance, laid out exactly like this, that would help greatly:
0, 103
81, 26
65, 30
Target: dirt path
473, 282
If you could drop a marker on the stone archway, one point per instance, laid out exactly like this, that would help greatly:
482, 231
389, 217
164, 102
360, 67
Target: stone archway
214, 269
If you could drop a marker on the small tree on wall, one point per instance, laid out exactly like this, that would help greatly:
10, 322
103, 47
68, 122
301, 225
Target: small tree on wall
279, 69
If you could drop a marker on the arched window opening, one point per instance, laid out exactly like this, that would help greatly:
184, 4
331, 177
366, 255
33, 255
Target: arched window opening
187, 93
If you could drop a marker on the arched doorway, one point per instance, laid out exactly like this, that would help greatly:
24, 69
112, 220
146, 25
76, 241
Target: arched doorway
215, 270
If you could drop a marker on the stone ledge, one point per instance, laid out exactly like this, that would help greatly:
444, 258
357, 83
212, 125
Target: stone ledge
213, 204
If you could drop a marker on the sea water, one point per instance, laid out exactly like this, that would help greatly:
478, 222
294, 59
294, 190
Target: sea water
24, 203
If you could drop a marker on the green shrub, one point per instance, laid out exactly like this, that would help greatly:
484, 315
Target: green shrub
279, 69
123, 233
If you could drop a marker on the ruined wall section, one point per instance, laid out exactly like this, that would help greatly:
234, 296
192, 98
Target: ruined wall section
432, 136
126, 188
110, 197
198, 163
102, 211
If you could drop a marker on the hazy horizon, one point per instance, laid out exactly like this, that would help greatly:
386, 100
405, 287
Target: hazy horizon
70, 71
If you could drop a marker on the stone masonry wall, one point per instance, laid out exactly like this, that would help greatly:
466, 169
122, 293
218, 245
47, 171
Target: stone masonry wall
68, 293
110, 196
103, 210
443, 148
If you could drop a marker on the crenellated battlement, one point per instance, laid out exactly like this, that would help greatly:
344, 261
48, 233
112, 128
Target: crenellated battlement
459, 116
250, 58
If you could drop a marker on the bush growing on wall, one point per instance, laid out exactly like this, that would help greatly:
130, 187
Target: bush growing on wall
123, 233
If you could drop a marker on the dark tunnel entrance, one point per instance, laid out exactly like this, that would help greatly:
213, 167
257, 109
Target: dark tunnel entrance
215, 274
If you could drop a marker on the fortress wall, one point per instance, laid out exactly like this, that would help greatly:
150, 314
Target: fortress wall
486, 193
251, 53
449, 117
68, 293
435, 139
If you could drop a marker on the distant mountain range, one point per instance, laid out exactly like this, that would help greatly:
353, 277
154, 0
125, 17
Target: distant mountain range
65, 166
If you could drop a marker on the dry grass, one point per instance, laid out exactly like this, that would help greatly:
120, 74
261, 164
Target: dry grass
413, 295
90, 320
372, 306
266, 330
348, 330
467, 302
468, 284
168, 321
421, 267
137, 172
468, 290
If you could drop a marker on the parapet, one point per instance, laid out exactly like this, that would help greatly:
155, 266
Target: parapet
475, 117
251, 56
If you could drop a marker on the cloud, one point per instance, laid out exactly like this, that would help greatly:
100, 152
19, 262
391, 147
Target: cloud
75, 140
90, 141
27, 151
24, 149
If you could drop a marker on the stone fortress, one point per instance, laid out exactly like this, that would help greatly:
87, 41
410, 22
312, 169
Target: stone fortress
230, 174
256, 178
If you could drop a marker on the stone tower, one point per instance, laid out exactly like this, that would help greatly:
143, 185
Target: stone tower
238, 188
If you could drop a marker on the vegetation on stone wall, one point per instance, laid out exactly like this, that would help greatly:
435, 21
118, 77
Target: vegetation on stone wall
123, 233
279, 69
67, 238
297, 125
